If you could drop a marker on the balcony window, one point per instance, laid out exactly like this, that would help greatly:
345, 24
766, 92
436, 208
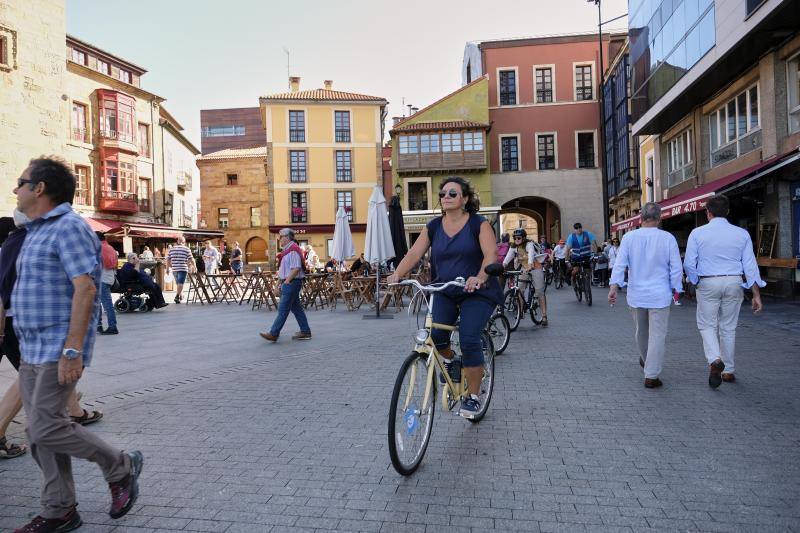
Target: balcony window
508, 87
546, 151
103, 67
144, 194
299, 207
451, 142
255, 217
544, 85
79, 132
679, 156
297, 126
124, 76
793, 92
344, 170
232, 179
144, 140
222, 218
82, 188
342, 126
509, 153
736, 119
429, 144
584, 88
409, 144
344, 199
117, 116
473, 141
79, 57
119, 176
585, 149
297, 165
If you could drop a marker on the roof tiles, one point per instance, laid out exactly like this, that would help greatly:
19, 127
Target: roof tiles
236, 153
322, 95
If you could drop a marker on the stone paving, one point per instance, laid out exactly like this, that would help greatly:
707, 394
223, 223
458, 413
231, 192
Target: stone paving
243, 436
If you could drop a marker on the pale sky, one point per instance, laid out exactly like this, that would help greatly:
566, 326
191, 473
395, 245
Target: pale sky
206, 54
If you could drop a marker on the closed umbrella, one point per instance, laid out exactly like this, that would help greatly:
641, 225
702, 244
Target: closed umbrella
398, 230
378, 247
342, 238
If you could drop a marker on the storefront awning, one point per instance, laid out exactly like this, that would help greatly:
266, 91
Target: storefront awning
103, 224
162, 231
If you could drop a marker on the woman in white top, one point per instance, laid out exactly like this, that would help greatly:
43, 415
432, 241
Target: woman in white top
612, 253
210, 258
146, 255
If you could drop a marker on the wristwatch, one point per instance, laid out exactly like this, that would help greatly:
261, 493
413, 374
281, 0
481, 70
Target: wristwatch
71, 353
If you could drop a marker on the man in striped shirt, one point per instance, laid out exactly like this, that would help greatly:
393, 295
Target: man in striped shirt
181, 262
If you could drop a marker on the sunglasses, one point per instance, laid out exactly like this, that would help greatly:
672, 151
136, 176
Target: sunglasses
517, 238
452, 193
21, 182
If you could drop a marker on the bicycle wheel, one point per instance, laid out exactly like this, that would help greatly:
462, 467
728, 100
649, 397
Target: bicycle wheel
411, 422
588, 293
487, 384
499, 330
578, 286
512, 309
536, 312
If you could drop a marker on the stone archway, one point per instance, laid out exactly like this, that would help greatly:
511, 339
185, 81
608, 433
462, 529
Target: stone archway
544, 213
256, 250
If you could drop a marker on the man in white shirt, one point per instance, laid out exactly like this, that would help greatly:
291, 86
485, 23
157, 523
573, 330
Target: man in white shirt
653, 261
717, 255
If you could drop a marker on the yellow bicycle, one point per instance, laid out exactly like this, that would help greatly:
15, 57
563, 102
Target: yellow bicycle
413, 401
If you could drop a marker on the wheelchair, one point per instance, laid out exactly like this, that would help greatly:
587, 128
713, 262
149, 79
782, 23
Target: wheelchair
133, 297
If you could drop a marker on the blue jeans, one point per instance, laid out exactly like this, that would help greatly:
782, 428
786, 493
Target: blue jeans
475, 312
290, 301
108, 306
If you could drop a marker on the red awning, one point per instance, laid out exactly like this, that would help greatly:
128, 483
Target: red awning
103, 224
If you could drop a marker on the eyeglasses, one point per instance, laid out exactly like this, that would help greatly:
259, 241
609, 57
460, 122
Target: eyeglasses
517, 238
21, 182
452, 193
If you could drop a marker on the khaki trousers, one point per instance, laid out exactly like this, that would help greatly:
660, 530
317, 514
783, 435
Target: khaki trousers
719, 300
651, 337
54, 439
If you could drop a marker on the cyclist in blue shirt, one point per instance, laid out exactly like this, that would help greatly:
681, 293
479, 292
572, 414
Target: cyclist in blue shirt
580, 246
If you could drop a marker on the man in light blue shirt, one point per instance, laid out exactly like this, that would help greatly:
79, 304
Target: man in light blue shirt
291, 274
653, 262
718, 254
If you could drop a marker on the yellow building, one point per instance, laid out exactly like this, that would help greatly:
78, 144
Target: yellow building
323, 152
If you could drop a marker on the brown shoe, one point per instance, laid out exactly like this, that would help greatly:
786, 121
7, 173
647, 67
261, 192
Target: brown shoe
728, 378
301, 336
715, 373
269, 337
652, 383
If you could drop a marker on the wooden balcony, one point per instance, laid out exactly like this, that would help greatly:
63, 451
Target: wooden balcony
118, 139
410, 164
124, 203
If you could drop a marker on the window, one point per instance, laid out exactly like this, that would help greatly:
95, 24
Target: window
232, 179
418, 195
82, 189
144, 194
509, 153
793, 92
103, 67
222, 218
586, 149
79, 57
544, 85
451, 142
297, 165
8, 49
299, 207
79, 132
344, 170
124, 75
546, 151
234, 130
297, 126
117, 116
255, 217
342, 126
473, 141
735, 119
583, 82
679, 151
409, 144
508, 87
3, 50
144, 140
119, 174
429, 143
345, 199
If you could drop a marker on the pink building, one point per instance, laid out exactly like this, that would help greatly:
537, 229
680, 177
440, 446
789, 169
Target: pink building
545, 115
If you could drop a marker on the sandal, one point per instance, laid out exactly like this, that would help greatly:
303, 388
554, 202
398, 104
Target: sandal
9, 451
87, 418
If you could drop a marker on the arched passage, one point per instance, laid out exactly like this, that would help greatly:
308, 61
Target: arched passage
539, 214
256, 250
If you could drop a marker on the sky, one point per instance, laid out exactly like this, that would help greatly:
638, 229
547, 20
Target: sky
209, 54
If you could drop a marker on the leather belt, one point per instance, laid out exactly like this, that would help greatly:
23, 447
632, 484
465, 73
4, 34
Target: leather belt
721, 276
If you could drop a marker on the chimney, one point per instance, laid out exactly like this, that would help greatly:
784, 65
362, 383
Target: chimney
328, 85
294, 83
395, 120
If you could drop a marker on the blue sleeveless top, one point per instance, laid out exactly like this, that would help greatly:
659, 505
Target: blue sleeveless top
460, 256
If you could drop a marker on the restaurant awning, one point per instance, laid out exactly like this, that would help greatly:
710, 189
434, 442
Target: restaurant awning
103, 224
162, 231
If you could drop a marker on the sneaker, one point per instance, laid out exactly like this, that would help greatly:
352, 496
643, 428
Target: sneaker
301, 336
125, 491
453, 370
68, 522
110, 331
470, 407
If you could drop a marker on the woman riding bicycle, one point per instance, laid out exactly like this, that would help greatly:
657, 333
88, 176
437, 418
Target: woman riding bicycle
529, 257
462, 244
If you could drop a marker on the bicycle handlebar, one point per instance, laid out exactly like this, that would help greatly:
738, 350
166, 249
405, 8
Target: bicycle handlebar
437, 287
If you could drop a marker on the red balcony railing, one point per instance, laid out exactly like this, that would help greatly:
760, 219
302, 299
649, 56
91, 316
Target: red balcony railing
117, 135
80, 134
118, 202
82, 197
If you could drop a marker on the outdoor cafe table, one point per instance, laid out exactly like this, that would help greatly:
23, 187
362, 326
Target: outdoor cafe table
315, 290
365, 286
224, 287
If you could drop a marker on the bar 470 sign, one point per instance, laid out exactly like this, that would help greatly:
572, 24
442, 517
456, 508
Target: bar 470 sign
689, 206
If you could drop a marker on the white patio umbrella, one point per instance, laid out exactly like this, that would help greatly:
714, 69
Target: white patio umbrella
342, 238
378, 247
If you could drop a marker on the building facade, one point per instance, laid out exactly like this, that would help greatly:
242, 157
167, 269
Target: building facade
323, 152
235, 198
239, 127
544, 110
721, 91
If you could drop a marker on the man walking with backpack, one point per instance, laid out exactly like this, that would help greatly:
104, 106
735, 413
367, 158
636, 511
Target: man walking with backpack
291, 273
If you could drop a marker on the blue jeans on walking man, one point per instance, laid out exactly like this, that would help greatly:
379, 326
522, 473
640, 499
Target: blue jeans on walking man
108, 306
290, 301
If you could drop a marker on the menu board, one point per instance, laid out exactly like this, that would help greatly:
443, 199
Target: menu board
766, 239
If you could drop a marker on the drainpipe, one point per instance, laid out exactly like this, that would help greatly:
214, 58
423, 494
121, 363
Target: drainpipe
163, 177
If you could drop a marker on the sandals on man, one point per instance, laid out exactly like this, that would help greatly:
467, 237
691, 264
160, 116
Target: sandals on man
9, 451
87, 417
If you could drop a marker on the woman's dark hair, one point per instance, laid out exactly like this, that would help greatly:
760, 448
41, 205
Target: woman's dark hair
473, 205
7, 225
58, 179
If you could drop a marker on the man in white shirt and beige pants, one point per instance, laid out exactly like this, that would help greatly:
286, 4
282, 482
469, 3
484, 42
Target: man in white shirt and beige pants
653, 262
718, 254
